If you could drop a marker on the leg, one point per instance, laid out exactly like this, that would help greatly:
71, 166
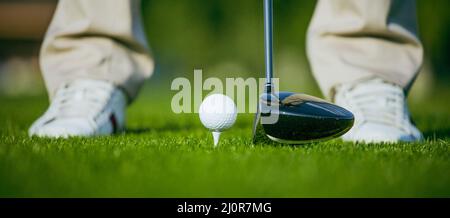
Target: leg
353, 40
365, 55
101, 39
94, 60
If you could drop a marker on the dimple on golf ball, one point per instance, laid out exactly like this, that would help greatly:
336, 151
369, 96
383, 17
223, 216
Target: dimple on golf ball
218, 112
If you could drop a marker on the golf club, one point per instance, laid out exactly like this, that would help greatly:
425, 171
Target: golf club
294, 118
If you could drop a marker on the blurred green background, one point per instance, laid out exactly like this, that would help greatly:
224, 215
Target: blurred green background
224, 38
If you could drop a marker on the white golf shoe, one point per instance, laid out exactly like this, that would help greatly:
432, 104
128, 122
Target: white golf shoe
83, 108
381, 112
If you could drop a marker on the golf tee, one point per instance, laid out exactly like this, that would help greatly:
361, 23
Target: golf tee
216, 137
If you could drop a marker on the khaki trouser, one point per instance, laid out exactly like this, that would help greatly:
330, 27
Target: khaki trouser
96, 39
353, 40
348, 40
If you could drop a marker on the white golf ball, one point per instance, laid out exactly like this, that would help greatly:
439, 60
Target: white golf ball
218, 112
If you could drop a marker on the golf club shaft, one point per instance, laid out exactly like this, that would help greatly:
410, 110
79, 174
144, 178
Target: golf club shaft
268, 41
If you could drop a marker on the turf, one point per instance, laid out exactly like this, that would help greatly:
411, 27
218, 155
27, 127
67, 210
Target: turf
167, 155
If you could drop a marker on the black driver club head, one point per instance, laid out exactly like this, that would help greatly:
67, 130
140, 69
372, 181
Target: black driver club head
299, 119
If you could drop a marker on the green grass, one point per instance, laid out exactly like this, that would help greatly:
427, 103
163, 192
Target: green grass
168, 155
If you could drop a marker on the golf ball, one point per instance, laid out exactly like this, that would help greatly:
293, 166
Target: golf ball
218, 112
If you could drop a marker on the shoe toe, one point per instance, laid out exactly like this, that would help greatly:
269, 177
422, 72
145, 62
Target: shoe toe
378, 133
64, 128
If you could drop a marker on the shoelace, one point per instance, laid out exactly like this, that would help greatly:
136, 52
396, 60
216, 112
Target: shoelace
81, 99
380, 103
